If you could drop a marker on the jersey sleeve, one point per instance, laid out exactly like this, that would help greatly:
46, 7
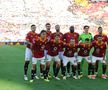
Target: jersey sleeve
28, 37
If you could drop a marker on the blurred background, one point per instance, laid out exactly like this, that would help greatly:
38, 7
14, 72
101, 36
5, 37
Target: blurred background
16, 16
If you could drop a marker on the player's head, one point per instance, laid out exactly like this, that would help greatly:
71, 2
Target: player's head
71, 29
48, 26
57, 37
72, 41
100, 30
43, 34
99, 39
33, 28
57, 28
87, 41
86, 28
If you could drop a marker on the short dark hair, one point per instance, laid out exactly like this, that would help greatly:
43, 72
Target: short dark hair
47, 24
33, 25
99, 27
86, 26
71, 27
87, 39
42, 31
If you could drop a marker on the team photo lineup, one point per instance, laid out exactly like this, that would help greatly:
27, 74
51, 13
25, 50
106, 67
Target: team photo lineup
65, 53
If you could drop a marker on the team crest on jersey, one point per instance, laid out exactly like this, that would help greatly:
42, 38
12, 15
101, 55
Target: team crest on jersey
85, 52
70, 52
55, 48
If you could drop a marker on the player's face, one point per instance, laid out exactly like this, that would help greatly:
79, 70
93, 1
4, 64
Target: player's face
100, 30
86, 29
48, 27
99, 39
57, 38
72, 41
33, 28
87, 43
57, 27
43, 35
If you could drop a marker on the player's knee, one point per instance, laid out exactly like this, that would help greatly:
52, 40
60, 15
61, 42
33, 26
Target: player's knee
34, 66
26, 63
48, 63
58, 64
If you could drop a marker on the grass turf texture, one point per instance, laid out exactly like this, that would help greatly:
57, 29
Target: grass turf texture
11, 75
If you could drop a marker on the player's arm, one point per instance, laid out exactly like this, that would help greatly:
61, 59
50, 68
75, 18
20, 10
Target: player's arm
80, 38
105, 47
28, 40
64, 46
91, 36
76, 53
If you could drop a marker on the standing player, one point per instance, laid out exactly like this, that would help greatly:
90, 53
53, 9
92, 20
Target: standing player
83, 53
57, 28
28, 52
99, 54
70, 56
104, 39
48, 32
67, 37
84, 36
38, 48
54, 47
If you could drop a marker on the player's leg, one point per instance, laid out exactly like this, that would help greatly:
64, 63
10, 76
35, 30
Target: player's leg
56, 71
104, 67
42, 67
96, 67
89, 61
68, 69
74, 67
61, 67
94, 59
89, 69
46, 71
42, 70
61, 59
33, 70
65, 61
46, 58
79, 66
28, 56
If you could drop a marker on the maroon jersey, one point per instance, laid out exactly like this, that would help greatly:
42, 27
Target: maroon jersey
30, 36
68, 36
70, 50
84, 50
54, 48
39, 47
104, 37
54, 34
99, 49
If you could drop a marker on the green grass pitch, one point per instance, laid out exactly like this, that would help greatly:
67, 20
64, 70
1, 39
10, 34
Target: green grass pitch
11, 75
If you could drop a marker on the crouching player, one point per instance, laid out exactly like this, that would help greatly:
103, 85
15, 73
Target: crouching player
99, 55
84, 53
69, 56
54, 47
38, 48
